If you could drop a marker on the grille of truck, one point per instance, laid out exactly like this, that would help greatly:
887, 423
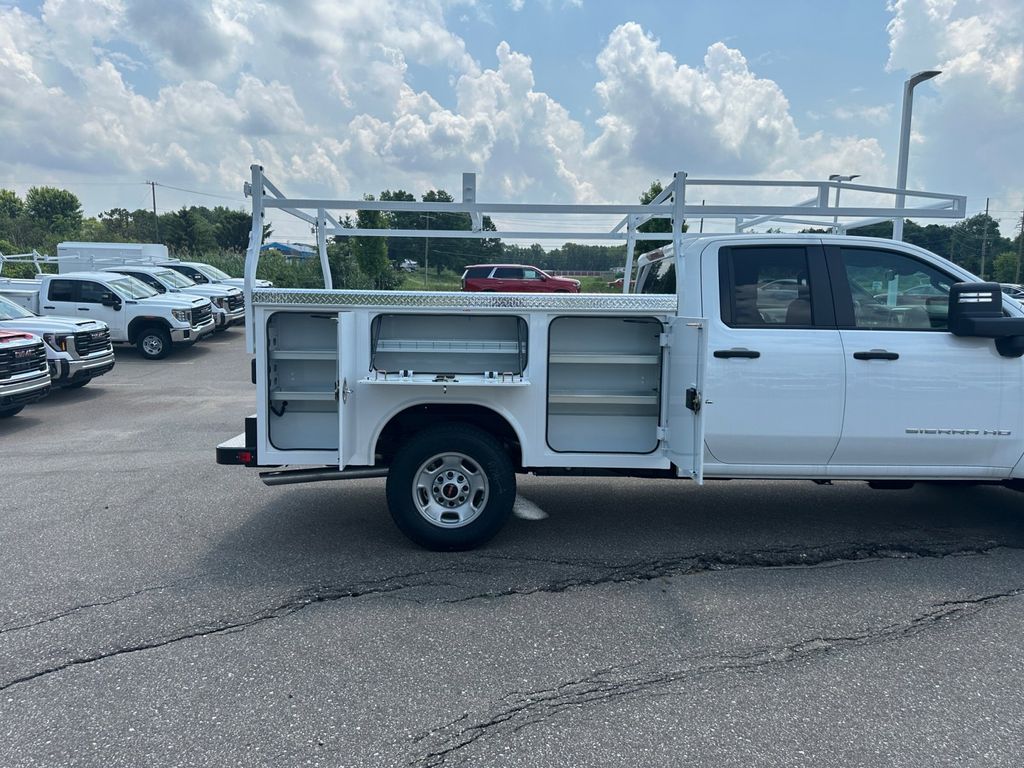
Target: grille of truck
29, 359
235, 302
90, 342
201, 314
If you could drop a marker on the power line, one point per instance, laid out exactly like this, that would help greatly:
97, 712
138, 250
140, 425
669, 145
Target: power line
196, 191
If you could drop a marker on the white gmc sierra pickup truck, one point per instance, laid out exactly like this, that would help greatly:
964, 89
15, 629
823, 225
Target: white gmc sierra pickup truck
818, 357
134, 312
77, 350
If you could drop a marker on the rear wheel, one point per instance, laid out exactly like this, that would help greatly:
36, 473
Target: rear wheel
5, 412
451, 487
154, 342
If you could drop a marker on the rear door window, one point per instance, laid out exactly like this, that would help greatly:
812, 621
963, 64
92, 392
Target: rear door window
62, 290
773, 286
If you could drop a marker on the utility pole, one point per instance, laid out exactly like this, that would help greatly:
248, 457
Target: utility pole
984, 243
156, 221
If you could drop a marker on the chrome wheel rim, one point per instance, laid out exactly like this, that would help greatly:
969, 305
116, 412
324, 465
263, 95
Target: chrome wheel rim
152, 345
450, 490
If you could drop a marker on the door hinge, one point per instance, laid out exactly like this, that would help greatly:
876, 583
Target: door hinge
665, 340
662, 433
693, 399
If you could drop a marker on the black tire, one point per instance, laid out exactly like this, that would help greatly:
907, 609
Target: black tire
5, 412
154, 342
470, 496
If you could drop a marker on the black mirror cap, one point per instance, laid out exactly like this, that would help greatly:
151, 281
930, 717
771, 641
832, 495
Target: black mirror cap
976, 309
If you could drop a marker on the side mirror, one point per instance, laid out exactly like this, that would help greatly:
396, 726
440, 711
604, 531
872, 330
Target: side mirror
110, 300
976, 309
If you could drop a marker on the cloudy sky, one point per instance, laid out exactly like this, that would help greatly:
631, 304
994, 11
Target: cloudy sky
547, 100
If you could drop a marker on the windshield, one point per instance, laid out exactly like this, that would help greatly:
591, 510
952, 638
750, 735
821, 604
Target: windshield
213, 273
176, 279
128, 287
11, 311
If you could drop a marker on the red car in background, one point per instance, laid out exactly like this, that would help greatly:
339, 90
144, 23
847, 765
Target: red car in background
515, 278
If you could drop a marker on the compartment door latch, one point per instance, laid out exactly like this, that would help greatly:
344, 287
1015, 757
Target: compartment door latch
693, 399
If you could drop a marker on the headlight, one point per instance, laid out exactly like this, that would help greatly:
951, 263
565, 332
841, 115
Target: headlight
57, 341
220, 301
182, 315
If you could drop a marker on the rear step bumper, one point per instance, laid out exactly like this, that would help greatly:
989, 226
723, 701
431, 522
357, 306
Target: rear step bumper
240, 449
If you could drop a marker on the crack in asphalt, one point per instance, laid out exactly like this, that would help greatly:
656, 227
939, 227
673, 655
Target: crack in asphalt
688, 565
97, 604
518, 711
634, 571
293, 605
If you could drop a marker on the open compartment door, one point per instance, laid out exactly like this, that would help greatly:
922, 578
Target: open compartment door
346, 385
684, 397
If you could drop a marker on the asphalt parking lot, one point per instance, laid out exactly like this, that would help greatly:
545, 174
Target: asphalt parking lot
160, 610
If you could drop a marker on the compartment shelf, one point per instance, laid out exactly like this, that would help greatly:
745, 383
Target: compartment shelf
596, 397
602, 359
461, 346
302, 394
303, 354
461, 381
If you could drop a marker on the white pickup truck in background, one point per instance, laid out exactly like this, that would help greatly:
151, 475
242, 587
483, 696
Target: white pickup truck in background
150, 263
134, 312
24, 374
788, 356
77, 350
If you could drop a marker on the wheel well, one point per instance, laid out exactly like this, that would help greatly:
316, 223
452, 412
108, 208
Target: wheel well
140, 323
412, 420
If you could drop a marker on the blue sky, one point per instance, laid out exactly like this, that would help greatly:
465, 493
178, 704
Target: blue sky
547, 100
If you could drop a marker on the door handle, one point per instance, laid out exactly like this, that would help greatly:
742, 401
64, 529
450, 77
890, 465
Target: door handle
748, 353
876, 354
83, 309
49, 307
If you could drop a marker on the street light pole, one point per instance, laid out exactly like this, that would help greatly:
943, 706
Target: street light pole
901, 171
839, 179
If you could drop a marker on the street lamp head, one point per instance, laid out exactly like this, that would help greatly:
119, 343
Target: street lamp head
920, 77
840, 177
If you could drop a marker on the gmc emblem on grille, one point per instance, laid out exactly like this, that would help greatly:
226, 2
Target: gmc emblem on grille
24, 352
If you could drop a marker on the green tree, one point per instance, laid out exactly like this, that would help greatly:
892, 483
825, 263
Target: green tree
231, 228
371, 253
57, 212
11, 205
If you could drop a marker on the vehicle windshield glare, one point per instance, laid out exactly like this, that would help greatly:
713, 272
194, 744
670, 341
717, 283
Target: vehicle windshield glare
213, 273
11, 311
128, 287
175, 279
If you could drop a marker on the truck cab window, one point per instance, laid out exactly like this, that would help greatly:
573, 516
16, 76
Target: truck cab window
93, 293
766, 287
893, 291
62, 290
149, 280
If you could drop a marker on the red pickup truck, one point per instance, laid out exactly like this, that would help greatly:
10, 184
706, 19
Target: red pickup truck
24, 375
